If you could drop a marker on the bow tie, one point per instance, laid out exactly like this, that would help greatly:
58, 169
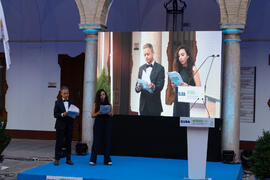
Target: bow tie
149, 65
65, 100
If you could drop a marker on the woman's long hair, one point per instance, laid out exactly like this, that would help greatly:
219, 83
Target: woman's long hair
98, 100
177, 66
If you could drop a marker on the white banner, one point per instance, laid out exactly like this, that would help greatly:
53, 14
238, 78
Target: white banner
197, 122
63, 178
4, 35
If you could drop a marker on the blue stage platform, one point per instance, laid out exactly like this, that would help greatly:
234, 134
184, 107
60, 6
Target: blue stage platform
130, 168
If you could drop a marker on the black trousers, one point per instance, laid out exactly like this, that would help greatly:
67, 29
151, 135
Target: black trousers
102, 134
63, 137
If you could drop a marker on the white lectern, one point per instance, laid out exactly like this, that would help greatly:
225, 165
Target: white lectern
197, 132
197, 138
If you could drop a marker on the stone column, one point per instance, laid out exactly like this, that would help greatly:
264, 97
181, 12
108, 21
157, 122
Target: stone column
231, 92
93, 17
233, 15
90, 78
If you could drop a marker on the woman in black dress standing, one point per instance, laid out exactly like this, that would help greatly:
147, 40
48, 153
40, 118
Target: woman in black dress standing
102, 127
184, 65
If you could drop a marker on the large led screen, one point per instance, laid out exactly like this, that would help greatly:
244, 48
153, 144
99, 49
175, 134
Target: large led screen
161, 73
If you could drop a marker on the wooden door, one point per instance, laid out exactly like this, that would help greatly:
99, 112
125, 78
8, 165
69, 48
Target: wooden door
122, 65
72, 75
3, 88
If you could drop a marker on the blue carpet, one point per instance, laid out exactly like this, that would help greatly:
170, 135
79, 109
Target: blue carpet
130, 168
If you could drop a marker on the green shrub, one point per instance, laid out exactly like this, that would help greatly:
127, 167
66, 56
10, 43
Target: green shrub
260, 158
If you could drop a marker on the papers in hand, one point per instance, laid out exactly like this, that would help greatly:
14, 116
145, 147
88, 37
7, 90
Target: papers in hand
175, 77
73, 111
144, 85
146, 76
104, 109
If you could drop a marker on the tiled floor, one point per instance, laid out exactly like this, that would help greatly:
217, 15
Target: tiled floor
24, 154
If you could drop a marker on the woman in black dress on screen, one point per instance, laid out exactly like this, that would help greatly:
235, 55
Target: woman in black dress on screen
185, 66
102, 127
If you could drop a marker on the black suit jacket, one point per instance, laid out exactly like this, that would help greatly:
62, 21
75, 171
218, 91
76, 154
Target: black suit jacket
59, 108
152, 101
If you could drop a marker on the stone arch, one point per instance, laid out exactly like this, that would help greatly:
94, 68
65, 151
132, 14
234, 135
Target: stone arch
102, 11
93, 12
233, 13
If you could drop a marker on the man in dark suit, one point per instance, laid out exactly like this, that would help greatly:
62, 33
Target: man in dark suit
63, 126
150, 101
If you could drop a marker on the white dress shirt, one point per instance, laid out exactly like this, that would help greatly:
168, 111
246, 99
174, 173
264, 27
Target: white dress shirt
66, 107
148, 73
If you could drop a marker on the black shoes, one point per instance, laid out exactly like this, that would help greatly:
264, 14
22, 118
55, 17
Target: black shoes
56, 162
69, 162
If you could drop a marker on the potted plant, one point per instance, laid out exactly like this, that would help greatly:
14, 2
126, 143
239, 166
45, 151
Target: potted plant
4, 138
260, 159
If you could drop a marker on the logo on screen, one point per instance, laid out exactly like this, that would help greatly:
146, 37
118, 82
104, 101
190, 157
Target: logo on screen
185, 121
181, 93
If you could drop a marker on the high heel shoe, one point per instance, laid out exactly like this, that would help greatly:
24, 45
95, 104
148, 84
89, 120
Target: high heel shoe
108, 163
92, 163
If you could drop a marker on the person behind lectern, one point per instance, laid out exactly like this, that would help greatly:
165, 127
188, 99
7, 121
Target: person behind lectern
63, 126
185, 66
102, 112
153, 74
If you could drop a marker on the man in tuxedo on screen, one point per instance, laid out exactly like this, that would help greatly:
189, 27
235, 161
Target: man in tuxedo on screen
63, 125
150, 101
